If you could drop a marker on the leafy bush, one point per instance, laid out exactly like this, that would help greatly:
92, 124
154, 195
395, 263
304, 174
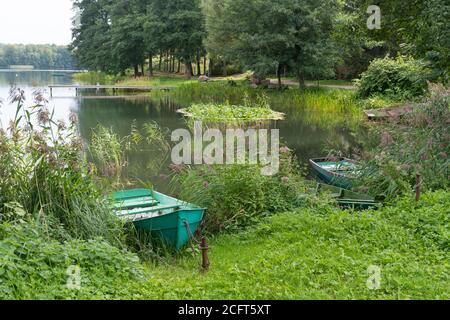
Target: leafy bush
418, 144
400, 78
34, 266
237, 195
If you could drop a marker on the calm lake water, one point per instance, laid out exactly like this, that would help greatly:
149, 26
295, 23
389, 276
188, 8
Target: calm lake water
304, 131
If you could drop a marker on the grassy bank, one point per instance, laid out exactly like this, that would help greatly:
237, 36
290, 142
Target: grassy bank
316, 252
157, 80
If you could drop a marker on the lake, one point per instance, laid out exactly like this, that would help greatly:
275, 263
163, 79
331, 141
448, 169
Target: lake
302, 131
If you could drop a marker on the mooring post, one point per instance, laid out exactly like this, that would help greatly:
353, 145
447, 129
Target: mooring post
205, 260
418, 187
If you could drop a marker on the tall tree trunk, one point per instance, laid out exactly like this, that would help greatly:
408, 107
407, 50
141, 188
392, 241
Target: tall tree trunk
225, 71
173, 64
150, 65
199, 67
136, 70
188, 70
210, 67
204, 65
279, 76
301, 79
166, 62
143, 69
179, 66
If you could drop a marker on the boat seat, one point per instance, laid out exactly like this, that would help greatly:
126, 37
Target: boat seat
146, 210
131, 203
132, 194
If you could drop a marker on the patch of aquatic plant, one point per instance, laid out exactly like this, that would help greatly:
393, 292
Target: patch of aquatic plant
111, 153
417, 144
238, 195
250, 111
44, 171
317, 106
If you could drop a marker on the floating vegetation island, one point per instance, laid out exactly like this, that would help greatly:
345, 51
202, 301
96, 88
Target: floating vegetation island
230, 113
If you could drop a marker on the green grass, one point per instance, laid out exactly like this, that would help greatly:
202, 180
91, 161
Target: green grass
331, 108
156, 81
330, 82
312, 253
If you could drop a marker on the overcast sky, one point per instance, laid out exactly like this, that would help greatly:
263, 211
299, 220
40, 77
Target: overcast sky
36, 21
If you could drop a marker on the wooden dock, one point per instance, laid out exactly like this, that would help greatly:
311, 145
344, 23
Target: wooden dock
112, 87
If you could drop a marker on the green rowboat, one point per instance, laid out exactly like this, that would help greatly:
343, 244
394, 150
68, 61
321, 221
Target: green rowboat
338, 172
166, 218
347, 198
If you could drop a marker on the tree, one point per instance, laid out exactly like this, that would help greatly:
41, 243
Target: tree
39, 56
91, 35
177, 28
127, 35
268, 36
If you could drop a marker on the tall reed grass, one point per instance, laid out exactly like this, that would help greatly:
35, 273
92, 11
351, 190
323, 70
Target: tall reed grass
44, 171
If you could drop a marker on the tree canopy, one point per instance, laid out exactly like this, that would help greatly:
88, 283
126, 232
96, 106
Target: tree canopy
305, 38
38, 56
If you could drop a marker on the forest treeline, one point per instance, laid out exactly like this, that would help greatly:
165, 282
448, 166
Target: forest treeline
50, 57
303, 38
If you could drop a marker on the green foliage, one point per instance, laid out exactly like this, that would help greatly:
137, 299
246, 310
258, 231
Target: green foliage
44, 171
401, 78
318, 252
322, 107
93, 77
321, 253
176, 27
416, 145
115, 36
267, 37
49, 57
424, 37
237, 195
35, 266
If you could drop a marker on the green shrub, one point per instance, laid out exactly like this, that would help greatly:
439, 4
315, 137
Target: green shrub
237, 195
400, 78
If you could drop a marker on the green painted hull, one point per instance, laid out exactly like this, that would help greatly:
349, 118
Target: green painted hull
349, 199
166, 218
339, 173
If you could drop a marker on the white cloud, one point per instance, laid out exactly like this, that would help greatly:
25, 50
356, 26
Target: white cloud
36, 21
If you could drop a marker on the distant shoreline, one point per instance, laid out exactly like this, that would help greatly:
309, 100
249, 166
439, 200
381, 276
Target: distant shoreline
41, 70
